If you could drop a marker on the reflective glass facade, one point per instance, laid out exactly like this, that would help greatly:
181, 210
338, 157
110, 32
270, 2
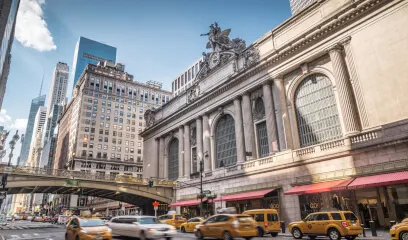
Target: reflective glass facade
8, 31
36, 103
90, 51
298, 5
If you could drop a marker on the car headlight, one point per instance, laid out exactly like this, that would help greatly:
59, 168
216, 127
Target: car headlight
394, 227
151, 230
109, 230
173, 228
197, 226
84, 232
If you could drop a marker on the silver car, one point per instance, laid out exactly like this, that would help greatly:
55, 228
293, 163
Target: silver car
142, 227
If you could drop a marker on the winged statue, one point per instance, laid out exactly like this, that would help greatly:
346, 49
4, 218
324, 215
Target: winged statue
218, 40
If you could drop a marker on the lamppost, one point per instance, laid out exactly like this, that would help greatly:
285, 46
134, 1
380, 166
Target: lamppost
12, 143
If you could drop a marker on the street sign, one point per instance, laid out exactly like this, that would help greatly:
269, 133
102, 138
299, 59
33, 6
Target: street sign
156, 204
155, 208
206, 192
8, 169
3, 194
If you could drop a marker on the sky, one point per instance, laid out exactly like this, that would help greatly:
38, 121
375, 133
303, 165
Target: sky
155, 39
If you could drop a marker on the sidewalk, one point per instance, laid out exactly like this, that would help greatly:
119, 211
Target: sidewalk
381, 235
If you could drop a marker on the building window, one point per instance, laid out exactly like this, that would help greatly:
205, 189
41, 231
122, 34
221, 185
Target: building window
173, 159
226, 151
316, 111
262, 135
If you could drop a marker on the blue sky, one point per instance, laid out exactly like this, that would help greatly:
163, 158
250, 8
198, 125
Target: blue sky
156, 39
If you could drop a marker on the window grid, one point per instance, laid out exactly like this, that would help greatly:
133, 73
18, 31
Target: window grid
173, 164
316, 111
225, 141
262, 134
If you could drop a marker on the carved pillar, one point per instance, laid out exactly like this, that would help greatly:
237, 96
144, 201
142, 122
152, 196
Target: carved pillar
199, 129
156, 172
248, 126
207, 143
187, 152
162, 166
355, 83
343, 85
270, 117
239, 131
181, 151
287, 131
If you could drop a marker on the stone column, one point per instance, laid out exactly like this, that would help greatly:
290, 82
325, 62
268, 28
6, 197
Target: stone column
287, 131
187, 152
161, 158
156, 172
345, 93
248, 125
181, 151
207, 143
270, 117
199, 129
355, 82
239, 131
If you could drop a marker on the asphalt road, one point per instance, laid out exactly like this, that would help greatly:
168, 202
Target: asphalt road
26, 230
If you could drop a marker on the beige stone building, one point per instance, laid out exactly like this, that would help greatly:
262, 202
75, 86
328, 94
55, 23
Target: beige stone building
99, 129
311, 116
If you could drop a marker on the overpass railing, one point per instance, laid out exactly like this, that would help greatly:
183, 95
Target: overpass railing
62, 173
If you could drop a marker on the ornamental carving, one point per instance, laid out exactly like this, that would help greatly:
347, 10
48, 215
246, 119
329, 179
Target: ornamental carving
256, 94
149, 118
251, 56
258, 109
223, 49
193, 93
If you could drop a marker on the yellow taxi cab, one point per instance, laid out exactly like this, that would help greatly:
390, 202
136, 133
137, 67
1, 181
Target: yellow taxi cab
335, 225
267, 220
400, 231
227, 227
87, 229
190, 225
174, 220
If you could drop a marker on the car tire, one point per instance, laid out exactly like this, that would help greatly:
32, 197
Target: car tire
66, 237
168, 238
248, 238
274, 234
334, 234
199, 235
227, 236
142, 236
403, 236
312, 237
183, 230
296, 233
77, 238
260, 232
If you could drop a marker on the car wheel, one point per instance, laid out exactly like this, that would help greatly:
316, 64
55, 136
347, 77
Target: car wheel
77, 238
296, 233
404, 236
183, 230
227, 236
274, 234
334, 234
312, 237
260, 232
142, 236
169, 238
199, 235
66, 237
248, 238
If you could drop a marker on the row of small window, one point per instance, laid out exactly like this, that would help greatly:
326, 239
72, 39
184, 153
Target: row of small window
93, 123
186, 77
108, 110
145, 95
115, 119
114, 148
112, 167
105, 147
119, 134
113, 156
106, 139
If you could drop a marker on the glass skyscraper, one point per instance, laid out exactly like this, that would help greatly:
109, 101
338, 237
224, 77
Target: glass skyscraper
90, 51
36, 103
298, 5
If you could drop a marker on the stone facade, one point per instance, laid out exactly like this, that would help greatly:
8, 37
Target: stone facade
352, 46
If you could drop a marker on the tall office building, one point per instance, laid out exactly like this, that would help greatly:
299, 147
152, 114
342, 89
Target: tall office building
101, 124
8, 15
36, 103
186, 78
298, 5
35, 145
58, 89
90, 51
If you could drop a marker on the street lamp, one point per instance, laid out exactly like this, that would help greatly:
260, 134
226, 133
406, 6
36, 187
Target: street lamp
12, 143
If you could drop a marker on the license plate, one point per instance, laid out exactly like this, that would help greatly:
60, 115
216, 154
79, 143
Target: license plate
246, 227
354, 224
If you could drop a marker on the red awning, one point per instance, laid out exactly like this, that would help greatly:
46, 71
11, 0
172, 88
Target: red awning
185, 203
379, 180
320, 187
244, 196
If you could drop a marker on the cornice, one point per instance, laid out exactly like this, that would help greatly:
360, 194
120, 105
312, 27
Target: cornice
350, 13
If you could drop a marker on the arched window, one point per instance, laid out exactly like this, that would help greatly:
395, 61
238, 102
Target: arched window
316, 111
261, 132
173, 163
225, 141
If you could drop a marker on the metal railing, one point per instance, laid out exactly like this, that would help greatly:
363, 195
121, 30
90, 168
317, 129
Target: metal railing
61, 173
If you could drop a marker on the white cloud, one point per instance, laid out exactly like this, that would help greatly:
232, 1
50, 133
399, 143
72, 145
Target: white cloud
31, 28
12, 125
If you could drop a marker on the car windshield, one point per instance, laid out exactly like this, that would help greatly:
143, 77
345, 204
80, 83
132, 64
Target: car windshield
148, 220
91, 223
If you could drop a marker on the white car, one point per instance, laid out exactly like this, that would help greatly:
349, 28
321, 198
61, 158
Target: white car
142, 227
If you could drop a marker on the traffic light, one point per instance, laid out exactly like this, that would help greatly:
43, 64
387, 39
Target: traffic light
151, 184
